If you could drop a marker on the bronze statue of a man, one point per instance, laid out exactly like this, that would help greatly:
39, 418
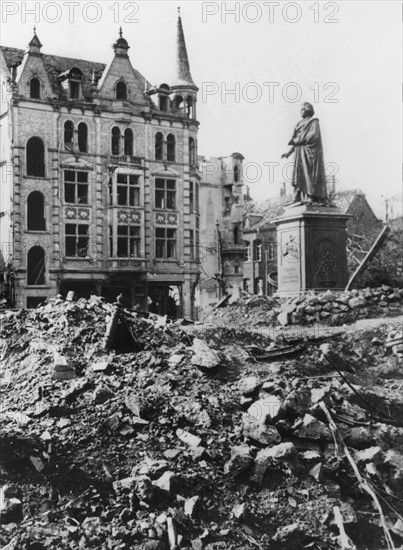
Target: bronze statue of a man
308, 179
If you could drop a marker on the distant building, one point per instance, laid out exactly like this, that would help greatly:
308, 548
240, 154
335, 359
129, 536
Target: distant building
363, 223
221, 240
99, 183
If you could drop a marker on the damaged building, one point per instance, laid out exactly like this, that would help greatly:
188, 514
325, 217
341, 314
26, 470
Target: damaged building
99, 186
222, 248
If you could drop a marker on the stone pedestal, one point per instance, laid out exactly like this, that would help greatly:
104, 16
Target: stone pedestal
311, 252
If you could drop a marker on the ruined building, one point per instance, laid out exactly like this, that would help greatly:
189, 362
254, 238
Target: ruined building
222, 247
99, 184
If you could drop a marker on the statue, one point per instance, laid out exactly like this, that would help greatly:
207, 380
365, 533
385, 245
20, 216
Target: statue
309, 178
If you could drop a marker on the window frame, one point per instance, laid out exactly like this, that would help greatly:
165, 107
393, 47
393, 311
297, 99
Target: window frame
164, 197
77, 186
133, 189
132, 238
77, 236
165, 239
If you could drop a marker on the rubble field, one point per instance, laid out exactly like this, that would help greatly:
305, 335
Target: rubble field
164, 436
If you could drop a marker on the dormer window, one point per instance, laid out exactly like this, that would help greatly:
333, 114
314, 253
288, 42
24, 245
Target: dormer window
121, 90
35, 88
71, 81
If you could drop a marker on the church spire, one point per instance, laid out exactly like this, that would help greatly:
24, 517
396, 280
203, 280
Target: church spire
34, 47
183, 70
121, 46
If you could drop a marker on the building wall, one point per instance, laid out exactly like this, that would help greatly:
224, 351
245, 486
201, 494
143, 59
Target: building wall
97, 270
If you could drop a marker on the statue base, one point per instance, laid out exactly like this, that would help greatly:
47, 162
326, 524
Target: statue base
312, 249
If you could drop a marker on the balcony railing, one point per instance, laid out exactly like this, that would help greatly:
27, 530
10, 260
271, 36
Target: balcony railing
130, 160
233, 248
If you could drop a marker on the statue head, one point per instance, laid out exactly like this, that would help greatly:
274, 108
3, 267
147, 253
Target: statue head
307, 109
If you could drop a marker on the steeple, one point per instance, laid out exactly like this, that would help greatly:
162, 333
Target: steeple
34, 47
121, 46
184, 78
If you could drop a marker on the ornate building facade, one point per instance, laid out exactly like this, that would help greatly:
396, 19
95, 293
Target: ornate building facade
99, 186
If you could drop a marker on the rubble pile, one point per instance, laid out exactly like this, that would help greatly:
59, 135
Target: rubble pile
184, 439
335, 308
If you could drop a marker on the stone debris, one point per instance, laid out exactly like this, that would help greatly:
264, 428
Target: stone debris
175, 438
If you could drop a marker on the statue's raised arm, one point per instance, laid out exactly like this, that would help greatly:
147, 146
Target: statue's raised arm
309, 178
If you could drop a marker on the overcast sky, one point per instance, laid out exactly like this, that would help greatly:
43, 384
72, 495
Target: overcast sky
343, 57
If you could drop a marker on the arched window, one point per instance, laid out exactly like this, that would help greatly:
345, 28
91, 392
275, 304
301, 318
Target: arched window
35, 88
35, 157
171, 147
36, 212
159, 141
36, 266
128, 139
115, 146
192, 151
189, 106
178, 102
121, 90
69, 134
82, 138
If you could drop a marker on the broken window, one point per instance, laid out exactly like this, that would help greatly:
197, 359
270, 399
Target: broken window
159, 142
171, 147
75, 187
236, 173
36, 212
165, 194
121, 90
128, 241
178, 102
189, 106
128, 141
35, 88
35, 157
192, 151
271, 251
165, 243
76, 240
191, 196
258, 252
192, 244
128, 190
75, 89
36, 266
82, 137
110, 241
69, 134
115, 144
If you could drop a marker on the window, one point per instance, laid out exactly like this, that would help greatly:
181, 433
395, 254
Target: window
165, 243
192, 244
128, 189
248, 257
165, 194
110, 191
128, 141
82, 138
236, 173
36, 266
36, 212
171, 147
236, 269
189, 107
121, 90
163, 103
178, 102
159, 143
128, 241
236, 235
110, 241
35, 88
197, 198
271, 251
258, 253
75, 89
69, 134
191, 197
115, 144
197, 241
35, 157
75, 187
77, 240
192, 151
